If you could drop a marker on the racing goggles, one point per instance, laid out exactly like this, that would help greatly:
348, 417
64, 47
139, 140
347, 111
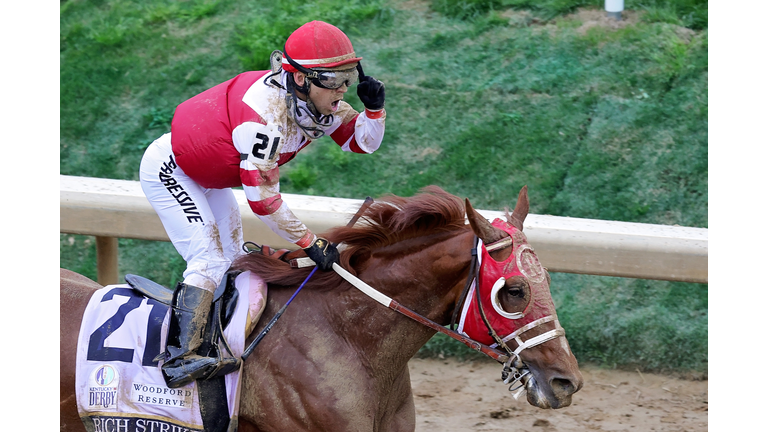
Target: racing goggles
332, 79
327, 79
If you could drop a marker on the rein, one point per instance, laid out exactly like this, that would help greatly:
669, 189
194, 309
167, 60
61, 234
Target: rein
367, 203
515, 373
394, 305
368, 290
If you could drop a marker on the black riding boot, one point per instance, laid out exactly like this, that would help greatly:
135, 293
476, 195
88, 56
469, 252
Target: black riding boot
189, 316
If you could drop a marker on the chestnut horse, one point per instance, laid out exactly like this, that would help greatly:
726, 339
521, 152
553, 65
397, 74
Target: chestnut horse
338, 360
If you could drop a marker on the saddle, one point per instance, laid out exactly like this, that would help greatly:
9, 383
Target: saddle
212, 391
224, 298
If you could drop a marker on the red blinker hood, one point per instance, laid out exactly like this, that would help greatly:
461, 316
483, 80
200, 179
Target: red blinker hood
521, 262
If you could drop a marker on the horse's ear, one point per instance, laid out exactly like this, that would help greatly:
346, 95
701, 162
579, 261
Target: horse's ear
521, 209
480, 225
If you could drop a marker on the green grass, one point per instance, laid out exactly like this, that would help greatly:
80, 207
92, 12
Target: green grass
688, 13
651, 325
600, 122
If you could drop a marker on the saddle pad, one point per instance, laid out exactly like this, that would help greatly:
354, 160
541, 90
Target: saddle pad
119, 386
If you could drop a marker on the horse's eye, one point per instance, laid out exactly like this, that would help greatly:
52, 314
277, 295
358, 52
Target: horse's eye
513, 297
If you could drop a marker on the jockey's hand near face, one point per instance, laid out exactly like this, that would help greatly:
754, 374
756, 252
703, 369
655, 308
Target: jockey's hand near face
370, 90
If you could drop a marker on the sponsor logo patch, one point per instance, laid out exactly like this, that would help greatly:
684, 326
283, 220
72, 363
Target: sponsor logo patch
102, 388
153, 394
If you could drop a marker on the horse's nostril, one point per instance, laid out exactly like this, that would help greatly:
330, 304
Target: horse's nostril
563, 387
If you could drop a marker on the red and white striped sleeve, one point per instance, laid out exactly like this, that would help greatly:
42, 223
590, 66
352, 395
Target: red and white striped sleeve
259, 146
362, 133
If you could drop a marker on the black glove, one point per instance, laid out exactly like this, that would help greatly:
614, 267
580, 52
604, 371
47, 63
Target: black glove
370, 90
323, 253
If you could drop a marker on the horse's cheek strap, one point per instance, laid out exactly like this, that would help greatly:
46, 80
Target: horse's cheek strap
471, 276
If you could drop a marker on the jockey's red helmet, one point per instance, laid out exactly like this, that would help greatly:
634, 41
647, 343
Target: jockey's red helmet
317, 44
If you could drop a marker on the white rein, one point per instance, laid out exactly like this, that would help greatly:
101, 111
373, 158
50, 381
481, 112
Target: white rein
514, 369
515, 372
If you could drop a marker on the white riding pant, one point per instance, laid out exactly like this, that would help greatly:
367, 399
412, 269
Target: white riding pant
204, 225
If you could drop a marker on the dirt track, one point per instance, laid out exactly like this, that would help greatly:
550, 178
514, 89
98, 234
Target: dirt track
455, 397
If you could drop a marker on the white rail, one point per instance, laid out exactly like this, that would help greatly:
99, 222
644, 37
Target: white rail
110, 209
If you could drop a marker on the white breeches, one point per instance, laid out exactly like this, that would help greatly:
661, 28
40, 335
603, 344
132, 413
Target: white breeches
204, 225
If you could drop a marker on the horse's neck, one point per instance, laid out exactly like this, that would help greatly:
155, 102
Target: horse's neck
423, 274
420, 273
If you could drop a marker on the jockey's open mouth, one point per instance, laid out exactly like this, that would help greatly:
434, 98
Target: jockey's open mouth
327, 101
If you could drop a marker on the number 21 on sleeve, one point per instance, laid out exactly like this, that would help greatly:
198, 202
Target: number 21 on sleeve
261, 143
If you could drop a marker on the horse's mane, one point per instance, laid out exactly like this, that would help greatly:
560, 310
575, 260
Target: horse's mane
389, 220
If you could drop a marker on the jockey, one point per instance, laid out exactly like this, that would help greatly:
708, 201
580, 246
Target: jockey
238, 133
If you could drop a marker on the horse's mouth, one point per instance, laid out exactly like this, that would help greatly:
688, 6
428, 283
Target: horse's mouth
557, 396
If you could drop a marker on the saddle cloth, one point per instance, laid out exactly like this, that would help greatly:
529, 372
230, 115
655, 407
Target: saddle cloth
120, 387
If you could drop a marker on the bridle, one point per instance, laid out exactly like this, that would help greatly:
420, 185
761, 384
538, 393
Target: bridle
515, 372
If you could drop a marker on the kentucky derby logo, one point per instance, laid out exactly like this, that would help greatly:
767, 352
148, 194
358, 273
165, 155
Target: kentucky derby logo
102, 389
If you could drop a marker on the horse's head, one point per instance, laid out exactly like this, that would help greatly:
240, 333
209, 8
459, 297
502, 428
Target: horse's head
511, 307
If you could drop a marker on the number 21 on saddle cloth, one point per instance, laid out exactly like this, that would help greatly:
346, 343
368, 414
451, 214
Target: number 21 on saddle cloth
118, 381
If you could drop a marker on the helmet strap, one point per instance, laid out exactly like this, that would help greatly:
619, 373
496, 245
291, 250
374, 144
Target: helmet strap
311, 122
292, 87
311, 105
304, 90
